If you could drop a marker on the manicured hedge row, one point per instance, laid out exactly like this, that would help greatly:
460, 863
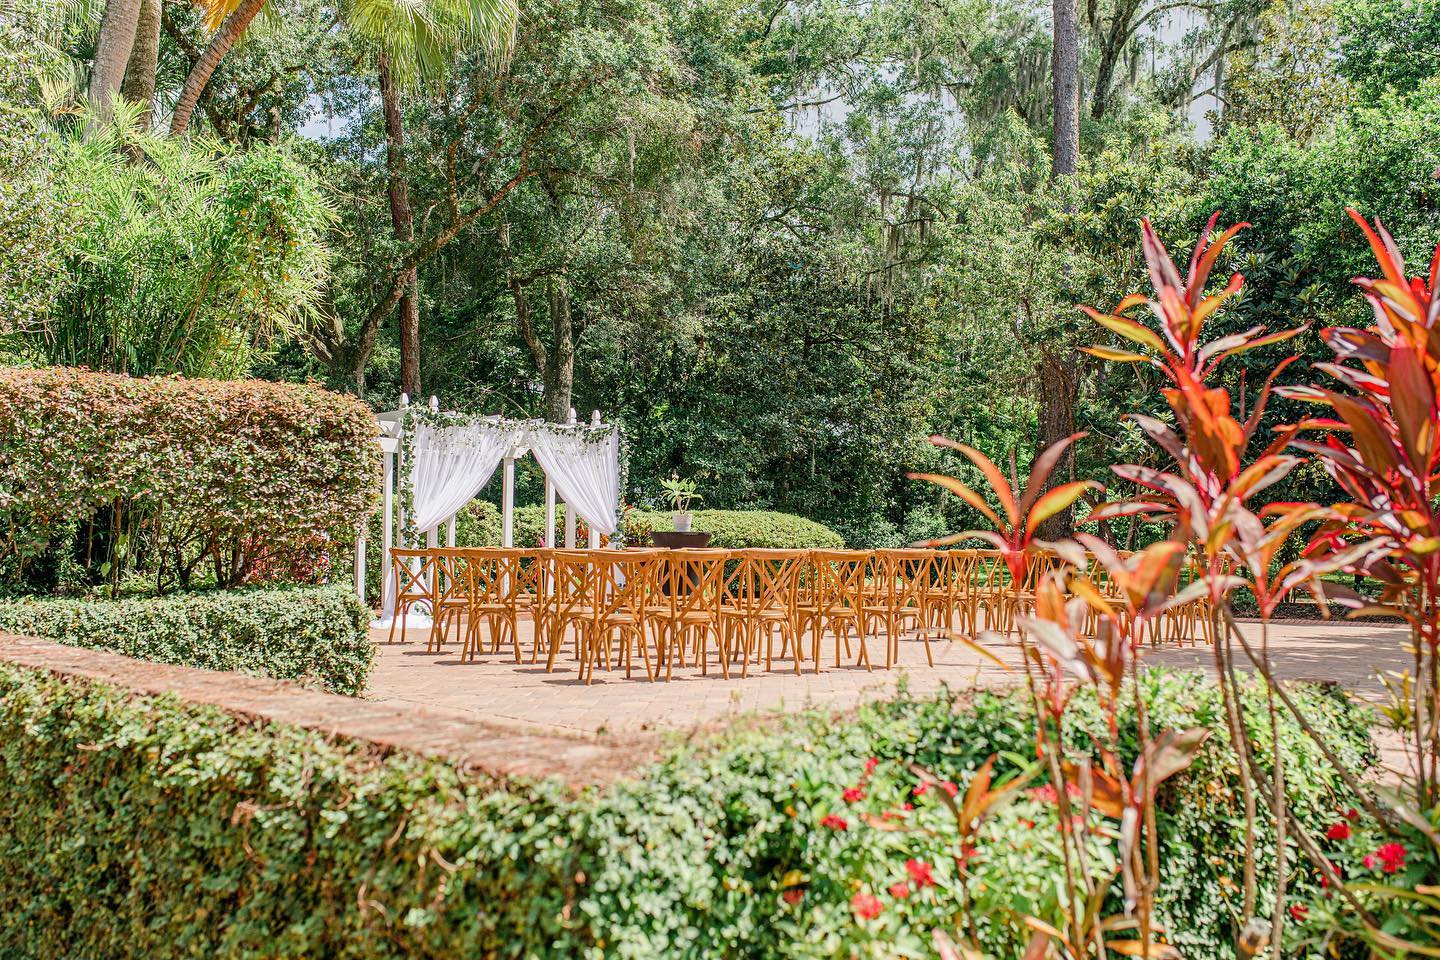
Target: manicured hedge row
185, 470
314, 634
142, 827
479, 526
748, 529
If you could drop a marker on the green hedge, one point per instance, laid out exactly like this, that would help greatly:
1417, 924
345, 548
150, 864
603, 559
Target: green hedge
749, 529
479, 526
102, 474
143, 827
313, 634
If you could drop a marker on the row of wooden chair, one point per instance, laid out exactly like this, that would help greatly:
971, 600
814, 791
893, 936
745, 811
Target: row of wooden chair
684, 605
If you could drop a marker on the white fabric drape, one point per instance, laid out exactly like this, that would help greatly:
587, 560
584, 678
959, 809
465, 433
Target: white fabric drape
586, 472
452, 464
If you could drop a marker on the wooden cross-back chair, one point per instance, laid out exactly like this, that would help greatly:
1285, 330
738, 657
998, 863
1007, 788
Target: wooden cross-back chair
413, 573
452, 598
570, 601
761, 600
910, 587
838, 605
492, 591
684, 609
623, 583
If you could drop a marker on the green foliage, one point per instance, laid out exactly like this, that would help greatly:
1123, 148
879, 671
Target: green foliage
160, 476
184, 257
744, 529
1389, 46
188, 831
34, 222
312, 634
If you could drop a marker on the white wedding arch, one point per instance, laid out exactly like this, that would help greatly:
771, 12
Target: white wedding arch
437, 462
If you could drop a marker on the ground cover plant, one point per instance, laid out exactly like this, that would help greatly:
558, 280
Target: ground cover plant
827, 834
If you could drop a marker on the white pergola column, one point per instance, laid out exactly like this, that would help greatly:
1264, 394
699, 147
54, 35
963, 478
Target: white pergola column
569, 510
549, 512
507, 502
594, 534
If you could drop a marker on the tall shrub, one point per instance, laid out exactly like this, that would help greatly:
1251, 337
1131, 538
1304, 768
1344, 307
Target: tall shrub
103, 474
184, 258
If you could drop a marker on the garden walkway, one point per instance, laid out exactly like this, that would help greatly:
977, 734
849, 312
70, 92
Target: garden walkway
499, 691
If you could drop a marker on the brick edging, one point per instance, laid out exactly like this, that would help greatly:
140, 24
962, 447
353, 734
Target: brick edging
480, 746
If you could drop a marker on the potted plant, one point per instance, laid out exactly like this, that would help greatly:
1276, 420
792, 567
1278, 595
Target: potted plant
681, 494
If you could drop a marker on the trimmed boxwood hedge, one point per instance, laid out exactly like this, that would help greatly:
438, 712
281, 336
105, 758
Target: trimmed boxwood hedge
479, 525
752, 529
312, 634
144, 827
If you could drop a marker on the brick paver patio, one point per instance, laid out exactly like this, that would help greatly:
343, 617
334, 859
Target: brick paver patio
499, 691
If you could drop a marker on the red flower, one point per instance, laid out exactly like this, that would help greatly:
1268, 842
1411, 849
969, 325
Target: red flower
1392, 857
1027, 824
1045, 793
854, 794
833, 822
966, 854
950, 788
1340, 830
920, 789
1370, 861
866, 906
1352, 815
907, 806
871, 764
900, 890
920, 872
794, 895
1298, 912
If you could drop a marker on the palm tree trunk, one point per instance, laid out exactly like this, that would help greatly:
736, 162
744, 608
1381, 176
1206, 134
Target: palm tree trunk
1065, 86
402, 220
139, 83
220, 44
112, 53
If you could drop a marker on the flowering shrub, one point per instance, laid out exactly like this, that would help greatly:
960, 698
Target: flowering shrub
175, 479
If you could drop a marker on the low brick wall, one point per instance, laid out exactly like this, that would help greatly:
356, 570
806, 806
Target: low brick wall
486, 747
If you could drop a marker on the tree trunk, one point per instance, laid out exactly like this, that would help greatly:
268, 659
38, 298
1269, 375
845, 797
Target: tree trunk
1065, 86
139, 84
220, 44
560, 368
1059, 386
112, 52
403, 221
1110, 52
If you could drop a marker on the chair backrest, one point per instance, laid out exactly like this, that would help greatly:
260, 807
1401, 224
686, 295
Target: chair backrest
414, 572
450, 571
840, 578
695, 580
575, 582
626, 580
771, 578
907, 575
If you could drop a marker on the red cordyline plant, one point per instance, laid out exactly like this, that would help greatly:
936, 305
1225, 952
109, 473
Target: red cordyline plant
1096, 635
1380, 446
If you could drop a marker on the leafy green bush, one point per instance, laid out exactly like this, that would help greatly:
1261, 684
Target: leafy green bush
318, 634
185, 257
181, 478
190, 832
750, 529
